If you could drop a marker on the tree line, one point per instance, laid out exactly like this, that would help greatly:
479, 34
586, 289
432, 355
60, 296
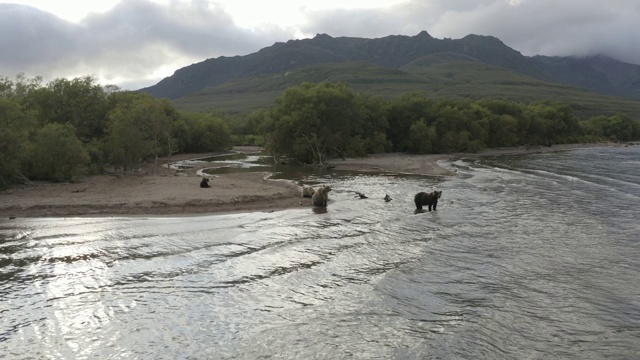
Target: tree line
68, 128
314, 122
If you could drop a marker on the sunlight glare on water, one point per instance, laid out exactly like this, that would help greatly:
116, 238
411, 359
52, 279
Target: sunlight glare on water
527, 257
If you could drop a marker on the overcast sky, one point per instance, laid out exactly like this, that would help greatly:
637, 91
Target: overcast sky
135, 43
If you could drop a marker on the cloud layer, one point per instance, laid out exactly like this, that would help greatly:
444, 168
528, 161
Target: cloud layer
132, 42
139, 41
533, 27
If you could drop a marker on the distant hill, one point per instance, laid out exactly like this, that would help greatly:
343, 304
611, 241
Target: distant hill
474, 66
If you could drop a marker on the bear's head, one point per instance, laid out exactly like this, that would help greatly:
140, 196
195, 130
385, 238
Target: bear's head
437, 194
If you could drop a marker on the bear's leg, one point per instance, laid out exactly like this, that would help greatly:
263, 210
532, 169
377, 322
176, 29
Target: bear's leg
430, 208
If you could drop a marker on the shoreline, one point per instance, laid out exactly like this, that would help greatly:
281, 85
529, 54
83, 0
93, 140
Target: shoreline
172, 192
427, 165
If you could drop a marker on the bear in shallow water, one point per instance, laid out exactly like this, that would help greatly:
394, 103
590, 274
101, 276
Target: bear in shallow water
429, 199
308, 191
321, 196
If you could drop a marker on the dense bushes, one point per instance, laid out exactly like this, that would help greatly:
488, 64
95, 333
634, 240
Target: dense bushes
56, 154
204, 132
72, 127
332, 120
315, 122
69, 128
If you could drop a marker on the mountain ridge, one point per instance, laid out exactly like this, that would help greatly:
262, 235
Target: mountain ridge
600, 74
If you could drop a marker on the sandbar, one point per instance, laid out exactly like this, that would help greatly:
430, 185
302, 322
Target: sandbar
167, 191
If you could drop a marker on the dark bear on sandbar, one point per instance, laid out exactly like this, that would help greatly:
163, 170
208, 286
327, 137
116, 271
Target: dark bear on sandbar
321, 196
429, 199
204, 183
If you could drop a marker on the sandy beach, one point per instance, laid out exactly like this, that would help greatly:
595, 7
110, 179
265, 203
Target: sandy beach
171, 192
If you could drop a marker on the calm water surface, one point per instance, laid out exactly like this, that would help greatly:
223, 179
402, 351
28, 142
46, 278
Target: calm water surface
529, 257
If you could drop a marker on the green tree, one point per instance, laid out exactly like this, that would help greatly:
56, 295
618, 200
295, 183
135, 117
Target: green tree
11, 155
616, 128
15, 125
139, 127
80, 102
245, 129
371, 129
126, 143
57, 154
313, 122
204, 133
20, 89
559, 123
402, 113
422, 138
503, 131
159, 118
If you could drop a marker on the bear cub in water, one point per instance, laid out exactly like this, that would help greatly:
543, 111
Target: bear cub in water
321, 196
429, 199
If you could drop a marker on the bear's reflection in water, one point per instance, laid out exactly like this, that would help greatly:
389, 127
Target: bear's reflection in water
422, 211
319, 210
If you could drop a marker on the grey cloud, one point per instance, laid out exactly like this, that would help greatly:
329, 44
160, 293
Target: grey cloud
130, 41
544, 27
409, 18
548, 27
22, 41
137, 37
369, 23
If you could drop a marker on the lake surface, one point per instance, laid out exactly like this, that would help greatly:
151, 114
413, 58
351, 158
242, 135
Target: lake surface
527, 257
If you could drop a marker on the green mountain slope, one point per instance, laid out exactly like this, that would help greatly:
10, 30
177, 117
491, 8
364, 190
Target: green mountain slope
446, 74
597, 73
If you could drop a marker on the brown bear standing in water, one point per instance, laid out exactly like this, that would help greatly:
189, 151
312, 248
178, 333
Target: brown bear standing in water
204, 183
429, 199
320, 197
307, 191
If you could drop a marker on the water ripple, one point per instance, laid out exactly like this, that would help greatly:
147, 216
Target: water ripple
526, 257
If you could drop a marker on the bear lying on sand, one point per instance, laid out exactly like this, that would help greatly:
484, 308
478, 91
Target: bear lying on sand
321, 196
308, 191
204, 183
429, 199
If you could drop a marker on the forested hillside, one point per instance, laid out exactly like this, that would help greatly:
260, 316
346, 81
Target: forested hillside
66, 129
439, 76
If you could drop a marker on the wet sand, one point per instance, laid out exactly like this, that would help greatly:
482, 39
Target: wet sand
170, 192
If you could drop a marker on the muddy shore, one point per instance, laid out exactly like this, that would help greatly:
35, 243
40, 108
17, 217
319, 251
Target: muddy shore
170, 192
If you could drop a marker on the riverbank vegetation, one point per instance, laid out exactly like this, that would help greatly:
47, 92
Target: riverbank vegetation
314, 122
68, 128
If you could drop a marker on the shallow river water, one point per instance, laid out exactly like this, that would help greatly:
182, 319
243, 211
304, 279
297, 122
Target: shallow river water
527, 257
